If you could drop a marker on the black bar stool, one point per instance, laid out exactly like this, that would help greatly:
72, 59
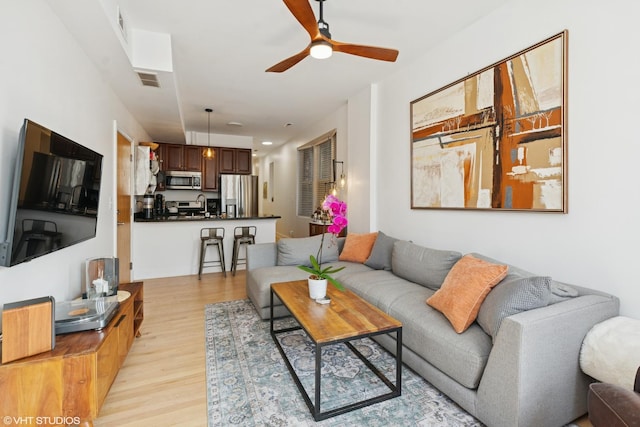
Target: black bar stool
242, 236
210, 237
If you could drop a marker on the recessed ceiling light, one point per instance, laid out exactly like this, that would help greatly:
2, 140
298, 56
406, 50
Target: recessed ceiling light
235, 124
267, 143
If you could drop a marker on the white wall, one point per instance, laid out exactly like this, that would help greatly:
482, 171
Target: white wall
595, 244
47, 78
361, 148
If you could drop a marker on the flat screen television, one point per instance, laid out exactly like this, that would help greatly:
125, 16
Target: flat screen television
55, 194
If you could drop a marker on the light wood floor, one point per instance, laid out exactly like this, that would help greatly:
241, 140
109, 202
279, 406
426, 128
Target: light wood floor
162, 381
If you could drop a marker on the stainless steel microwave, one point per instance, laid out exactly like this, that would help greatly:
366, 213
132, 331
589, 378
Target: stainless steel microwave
183, 180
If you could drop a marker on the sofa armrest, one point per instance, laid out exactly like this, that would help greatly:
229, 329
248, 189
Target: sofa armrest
262, 255
533, 372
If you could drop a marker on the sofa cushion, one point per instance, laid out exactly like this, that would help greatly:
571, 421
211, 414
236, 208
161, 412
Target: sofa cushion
512, 295
427, 333
349, 269
296, 251
424, 266
464, 290
380, 257
379, 287
357, 247
259, 282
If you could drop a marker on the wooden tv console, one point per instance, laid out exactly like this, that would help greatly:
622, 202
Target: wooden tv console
69, 384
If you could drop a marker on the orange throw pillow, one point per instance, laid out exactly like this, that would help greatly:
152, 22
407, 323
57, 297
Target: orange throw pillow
357, 247
465, 287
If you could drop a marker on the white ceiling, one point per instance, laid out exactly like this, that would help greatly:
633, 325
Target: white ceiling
220, 49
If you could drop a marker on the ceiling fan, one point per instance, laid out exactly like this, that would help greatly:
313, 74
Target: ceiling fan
321, 45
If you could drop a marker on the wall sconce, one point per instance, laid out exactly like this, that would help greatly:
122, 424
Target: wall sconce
343, 178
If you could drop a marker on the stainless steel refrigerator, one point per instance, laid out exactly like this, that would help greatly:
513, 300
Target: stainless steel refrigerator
239, 195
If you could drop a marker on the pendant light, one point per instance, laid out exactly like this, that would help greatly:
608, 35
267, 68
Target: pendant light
208, 153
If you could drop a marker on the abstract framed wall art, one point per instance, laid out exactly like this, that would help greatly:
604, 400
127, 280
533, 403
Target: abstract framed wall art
496, 139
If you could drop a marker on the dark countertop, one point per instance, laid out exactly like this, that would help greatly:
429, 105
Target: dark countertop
188, 218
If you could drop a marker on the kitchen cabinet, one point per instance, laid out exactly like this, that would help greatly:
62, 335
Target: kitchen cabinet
74, 378
192, 158
243, 161
179, 157
235, 160
227, 160
210, 173
174, 157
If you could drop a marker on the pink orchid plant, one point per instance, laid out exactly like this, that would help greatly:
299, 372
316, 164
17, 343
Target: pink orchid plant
337, 211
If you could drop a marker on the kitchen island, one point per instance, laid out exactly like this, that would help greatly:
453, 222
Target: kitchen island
169, 246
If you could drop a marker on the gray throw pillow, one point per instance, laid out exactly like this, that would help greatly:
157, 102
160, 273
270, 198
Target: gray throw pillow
424, 266
296, 251
380, 257
513, 295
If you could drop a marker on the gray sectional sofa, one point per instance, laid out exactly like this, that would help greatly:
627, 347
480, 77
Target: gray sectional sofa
516, 365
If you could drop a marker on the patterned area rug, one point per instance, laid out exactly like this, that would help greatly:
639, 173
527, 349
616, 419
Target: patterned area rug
249, 384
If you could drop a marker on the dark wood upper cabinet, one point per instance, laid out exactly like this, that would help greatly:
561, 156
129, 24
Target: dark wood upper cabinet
235, 160
227, 160
192, 158
180, 157
243, 161
174, 154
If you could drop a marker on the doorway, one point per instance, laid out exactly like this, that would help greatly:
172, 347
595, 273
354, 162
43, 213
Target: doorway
123, 247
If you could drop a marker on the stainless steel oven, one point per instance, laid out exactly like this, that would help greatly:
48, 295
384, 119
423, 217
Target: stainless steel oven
183, 180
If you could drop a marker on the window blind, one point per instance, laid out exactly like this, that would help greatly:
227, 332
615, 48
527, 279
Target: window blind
325, 171
305, 182
315, 172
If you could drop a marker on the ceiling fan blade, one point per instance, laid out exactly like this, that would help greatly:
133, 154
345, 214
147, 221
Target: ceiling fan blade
301, 10
372, 52
289, 62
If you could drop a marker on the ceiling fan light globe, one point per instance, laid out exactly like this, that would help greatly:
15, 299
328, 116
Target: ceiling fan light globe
321, 50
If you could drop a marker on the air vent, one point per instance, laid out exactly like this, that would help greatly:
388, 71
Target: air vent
148, 79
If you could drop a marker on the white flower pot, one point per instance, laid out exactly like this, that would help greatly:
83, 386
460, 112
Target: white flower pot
317, 288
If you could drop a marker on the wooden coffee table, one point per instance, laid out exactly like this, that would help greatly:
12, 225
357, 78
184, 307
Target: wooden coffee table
347, 317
